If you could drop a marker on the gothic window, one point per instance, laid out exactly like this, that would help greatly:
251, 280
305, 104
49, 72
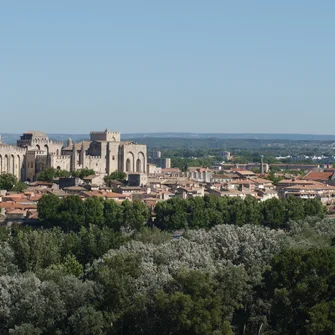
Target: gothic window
128, 165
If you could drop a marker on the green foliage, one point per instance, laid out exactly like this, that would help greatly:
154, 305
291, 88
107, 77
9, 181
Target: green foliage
82, 173
275, 179
69, 266
9, 182
86, 276
72, 213
152, 236
48, 208
94, 211
205, 212
301, 285
20, 187
116, 175
49, 174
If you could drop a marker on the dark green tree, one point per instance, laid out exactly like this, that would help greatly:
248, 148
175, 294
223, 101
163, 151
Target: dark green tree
113, 214
94, 211
7, 181
301, 284
83, 173
72, 213
48, 209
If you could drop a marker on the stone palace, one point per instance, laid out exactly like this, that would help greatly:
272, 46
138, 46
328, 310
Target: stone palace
104, 153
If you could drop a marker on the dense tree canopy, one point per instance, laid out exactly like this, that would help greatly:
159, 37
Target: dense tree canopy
94, 268
205, 212
71, 213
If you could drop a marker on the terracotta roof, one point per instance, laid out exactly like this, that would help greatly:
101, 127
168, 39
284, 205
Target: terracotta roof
243, 182
221, 176
35, 197
12, 204
262, 181
16, 211
108, 195
295, 181
171, 170
314, 175
316, 186
245, 173
74, 188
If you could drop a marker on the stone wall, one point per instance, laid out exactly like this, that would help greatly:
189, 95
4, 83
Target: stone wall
12, 160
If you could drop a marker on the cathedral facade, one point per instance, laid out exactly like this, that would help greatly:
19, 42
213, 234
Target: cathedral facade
104, 153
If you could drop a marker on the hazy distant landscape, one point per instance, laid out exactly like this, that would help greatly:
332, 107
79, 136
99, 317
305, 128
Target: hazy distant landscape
10, 138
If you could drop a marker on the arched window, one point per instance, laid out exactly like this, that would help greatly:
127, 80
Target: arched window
138, 166
128, 165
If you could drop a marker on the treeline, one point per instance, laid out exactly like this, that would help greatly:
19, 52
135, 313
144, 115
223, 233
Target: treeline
208, 211
71, 213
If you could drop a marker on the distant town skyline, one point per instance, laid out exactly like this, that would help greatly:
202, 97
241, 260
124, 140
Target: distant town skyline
177, 66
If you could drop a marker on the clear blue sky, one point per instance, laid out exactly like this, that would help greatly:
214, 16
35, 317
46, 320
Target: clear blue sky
177, 65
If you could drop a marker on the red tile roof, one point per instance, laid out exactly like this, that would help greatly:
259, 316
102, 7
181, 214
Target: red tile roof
314, 175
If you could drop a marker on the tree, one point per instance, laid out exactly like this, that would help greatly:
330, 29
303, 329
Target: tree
87, 321
37, 249
49, 174
134, 215
20, 187
113, 214
116, 175
94, 211
7, 181
48, 209
301, 285
94, 242
82, 173
322, 318
273, 211
171, 214
69, 266
72, 213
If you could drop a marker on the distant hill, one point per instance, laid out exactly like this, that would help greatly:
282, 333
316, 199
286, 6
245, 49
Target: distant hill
12, 138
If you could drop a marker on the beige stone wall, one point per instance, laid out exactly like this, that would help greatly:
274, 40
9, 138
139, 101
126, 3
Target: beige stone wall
113, 157
45, 144
97, 164
134, 158
62, 162
12, 160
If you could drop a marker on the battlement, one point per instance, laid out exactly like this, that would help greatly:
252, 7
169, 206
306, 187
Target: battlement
108, 136
37, 152
62, 157
57, 142
12, 148
93, 158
